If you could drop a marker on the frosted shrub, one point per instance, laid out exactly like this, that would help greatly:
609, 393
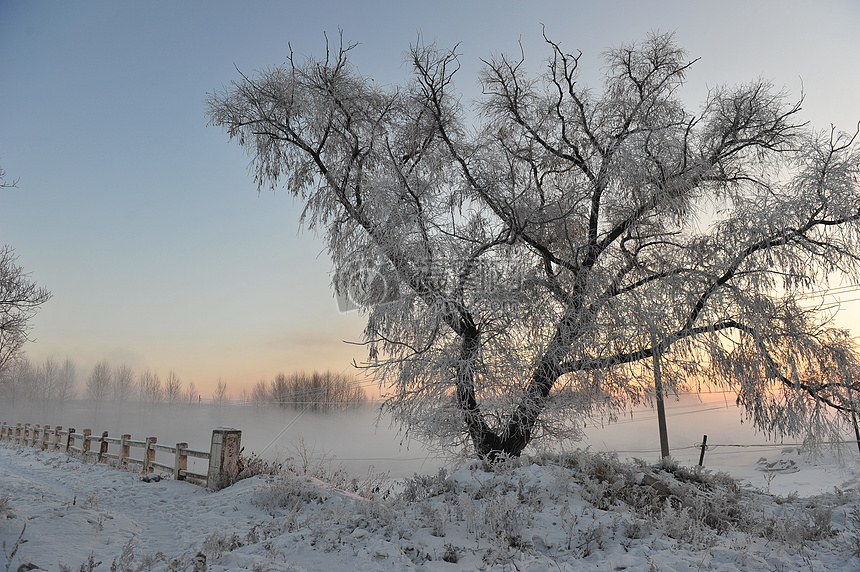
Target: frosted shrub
284, 492
798, 524
420, 487
505, 520
687, 525
217, 543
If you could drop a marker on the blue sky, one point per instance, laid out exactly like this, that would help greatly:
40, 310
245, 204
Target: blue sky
147, 227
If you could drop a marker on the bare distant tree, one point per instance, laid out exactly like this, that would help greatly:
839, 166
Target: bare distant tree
532, 259
100, 382
150, 388
123, 383
20, 299
172, 387
244, 396
17, 380
317, 391
324, 391
260, 393
220, 396
279, 391
191, 393
67, 387
48, 380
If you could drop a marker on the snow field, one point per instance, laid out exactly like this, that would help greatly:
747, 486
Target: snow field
579, 511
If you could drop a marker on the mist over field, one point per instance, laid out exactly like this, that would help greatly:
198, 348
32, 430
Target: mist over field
359, 439
353, 438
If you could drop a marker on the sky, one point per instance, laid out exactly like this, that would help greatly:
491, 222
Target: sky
144, 222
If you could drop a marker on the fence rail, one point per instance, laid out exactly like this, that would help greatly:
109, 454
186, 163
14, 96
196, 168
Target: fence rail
223, 454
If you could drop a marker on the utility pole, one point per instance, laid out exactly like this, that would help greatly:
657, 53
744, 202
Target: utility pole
854, 417
658, 388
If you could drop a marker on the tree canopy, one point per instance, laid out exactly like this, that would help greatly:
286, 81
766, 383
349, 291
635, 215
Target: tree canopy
20, 299
520, 259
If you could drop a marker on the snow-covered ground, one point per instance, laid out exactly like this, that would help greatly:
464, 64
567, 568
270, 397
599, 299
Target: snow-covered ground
580, 511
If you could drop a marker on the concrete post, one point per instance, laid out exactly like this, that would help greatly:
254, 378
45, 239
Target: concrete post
224, 457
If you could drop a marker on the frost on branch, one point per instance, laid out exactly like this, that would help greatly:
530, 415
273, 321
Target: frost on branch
520, 260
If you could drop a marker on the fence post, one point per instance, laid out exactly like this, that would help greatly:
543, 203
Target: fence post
124, 449
18, 433
149, 455
223, 457
85, 446
704, 448
26, 438
44, 442
180, 463
103, 445
70, 441
55, 442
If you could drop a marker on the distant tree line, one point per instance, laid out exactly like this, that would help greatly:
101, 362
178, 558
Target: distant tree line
51, 383
316, 391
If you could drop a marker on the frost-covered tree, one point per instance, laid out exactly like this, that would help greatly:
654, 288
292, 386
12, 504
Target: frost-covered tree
123, 383
68, 381
220, 396
260, 393
172, 387
100, 383
191, 394
527, 256
149, 386
20, 299
17, 380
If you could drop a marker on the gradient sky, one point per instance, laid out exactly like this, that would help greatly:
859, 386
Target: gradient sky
145, 223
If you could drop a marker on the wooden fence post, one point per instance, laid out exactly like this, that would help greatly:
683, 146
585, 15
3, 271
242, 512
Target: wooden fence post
55, 442
85, 446
70, 441
223, 457
44, 442
704, 448
3, 431
149, 455
26, 434
124, 449
180, 463
18, 434
103, 445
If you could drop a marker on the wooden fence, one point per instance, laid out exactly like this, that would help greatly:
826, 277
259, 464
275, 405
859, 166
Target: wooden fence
223, 454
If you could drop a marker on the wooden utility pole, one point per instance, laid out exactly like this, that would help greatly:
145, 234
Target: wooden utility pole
661, 408
854, 418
